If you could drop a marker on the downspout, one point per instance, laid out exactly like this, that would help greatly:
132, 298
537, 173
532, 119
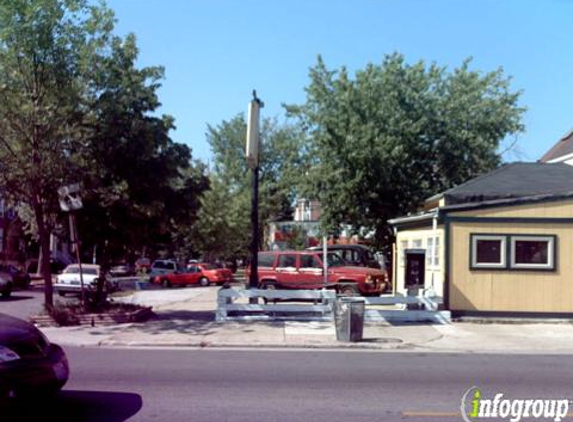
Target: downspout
433, 252
446, 262
395, 259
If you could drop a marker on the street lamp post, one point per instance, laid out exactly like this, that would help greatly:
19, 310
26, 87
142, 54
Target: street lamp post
252, 152
70, 201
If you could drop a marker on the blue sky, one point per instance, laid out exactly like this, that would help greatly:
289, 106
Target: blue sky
216, 51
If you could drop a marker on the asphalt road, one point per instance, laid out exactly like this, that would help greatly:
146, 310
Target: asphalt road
113, 385
23, 303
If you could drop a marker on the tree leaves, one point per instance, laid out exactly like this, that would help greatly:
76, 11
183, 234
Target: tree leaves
395, 134
223, 227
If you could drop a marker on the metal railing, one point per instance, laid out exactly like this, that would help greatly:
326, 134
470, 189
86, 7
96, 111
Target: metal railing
318, 305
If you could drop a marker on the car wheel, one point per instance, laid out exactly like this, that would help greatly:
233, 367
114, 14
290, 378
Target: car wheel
349, 291
204, 281
269, 286
7, 291
165, 283
62, 294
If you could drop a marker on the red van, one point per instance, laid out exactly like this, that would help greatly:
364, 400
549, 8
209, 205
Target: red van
304, 270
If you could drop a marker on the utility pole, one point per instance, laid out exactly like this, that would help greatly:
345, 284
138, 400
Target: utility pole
252, 152
325, 259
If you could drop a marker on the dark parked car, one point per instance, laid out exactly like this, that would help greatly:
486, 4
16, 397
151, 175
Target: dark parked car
142, 265
5, 284
122, 270
20, 278
29, 363
358, 255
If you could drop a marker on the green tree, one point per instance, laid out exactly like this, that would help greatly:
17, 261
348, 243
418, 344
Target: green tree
74, 108
142, 188
395, 134
223, 227
48, 49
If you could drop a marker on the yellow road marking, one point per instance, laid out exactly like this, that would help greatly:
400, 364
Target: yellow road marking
414, 414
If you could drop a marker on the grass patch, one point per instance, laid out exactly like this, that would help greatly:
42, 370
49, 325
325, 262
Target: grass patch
68, 314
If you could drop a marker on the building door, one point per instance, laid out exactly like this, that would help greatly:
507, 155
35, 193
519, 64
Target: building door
415, 268
287, 273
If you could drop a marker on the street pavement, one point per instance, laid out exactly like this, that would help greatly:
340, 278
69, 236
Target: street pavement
181, 385
23, 303
185, 318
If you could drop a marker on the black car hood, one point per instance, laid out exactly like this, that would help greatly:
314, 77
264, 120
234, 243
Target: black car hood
13, 329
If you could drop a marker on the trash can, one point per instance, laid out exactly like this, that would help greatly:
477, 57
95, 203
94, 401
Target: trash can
349, 318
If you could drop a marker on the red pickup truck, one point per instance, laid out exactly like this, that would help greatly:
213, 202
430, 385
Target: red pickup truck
304, 270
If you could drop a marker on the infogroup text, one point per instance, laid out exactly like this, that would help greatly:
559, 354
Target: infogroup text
475, 406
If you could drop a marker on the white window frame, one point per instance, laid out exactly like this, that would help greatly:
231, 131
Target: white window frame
488, 265
429, 251
436, 253
403, 245
550, 265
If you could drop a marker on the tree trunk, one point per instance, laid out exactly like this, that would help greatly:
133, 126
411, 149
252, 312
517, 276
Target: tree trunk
44, 236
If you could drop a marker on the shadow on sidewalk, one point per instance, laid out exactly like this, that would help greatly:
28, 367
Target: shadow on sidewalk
190, 323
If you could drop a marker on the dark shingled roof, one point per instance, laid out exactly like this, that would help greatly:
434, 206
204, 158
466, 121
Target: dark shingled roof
514, 180
563, 147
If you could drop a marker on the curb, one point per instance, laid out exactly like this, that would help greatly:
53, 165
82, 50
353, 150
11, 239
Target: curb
358, 347
274, 346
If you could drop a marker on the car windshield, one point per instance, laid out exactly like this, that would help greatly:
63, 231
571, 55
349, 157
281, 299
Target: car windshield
335, 260
85, 270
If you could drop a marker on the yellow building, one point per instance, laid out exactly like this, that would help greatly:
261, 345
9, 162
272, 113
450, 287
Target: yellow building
500, 243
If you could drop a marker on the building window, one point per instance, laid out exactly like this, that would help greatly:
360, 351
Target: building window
429, 249
533, 252
402, 252
433, 251
513, 252
488, 251
417, 244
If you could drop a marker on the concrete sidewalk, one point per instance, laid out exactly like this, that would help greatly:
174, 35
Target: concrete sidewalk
185, 318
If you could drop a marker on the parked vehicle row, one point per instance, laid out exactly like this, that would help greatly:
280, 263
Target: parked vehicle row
305, 270
169, 273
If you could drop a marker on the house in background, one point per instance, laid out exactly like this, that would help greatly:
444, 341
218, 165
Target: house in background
281, 234
12, 246
499, 243
561, 152
306, 226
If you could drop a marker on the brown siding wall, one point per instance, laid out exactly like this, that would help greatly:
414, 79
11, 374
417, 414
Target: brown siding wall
510, 290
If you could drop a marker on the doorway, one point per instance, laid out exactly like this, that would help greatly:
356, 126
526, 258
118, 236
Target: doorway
415, 268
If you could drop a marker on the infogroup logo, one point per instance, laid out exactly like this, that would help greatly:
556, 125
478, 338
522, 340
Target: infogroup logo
475, 407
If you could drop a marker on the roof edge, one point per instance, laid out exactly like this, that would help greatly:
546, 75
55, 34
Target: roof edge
507, 202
